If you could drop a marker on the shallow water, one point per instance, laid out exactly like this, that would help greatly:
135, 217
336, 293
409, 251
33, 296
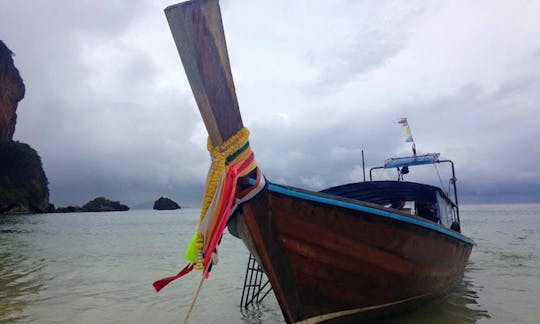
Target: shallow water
98, 268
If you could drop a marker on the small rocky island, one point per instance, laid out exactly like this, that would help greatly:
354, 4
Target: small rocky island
99, 204
164, 203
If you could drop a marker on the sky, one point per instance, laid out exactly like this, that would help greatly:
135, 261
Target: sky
110, 111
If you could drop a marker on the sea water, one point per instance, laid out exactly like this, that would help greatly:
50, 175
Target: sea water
99, 267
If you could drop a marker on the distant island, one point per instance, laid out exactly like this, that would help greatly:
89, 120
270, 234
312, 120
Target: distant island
164, 203
99, 204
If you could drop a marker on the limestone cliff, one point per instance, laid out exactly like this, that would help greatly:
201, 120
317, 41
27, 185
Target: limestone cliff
23, 183
11, 92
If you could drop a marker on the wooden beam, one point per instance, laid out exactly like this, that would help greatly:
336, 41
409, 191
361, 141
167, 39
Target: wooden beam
197, 30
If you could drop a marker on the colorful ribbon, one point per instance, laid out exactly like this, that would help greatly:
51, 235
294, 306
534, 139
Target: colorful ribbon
230, 161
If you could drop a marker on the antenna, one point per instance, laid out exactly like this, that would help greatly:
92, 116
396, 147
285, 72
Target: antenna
363, 166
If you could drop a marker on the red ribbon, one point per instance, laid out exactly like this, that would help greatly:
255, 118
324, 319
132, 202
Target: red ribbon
161, 283
229, 194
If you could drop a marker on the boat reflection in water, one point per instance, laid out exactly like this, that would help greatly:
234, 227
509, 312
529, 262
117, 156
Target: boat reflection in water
459, 305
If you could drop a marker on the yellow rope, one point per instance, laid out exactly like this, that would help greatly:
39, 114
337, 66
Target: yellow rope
219, 156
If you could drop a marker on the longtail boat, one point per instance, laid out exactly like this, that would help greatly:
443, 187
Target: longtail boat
350, 253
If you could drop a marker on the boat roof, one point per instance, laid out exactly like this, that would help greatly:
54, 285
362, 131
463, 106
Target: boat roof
387, 192
398, 162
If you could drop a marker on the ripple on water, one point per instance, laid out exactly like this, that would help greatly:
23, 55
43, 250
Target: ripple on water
459, 305
21, 280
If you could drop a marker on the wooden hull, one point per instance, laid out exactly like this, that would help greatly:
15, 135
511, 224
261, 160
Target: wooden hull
332, 259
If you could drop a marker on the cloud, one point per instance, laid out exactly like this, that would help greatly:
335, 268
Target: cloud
110, 111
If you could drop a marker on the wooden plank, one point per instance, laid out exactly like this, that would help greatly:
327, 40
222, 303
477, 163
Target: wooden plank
197, 30
273, 257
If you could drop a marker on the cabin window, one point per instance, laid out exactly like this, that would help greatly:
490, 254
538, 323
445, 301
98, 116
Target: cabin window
446, 211
408, 207
404, 206
427, 210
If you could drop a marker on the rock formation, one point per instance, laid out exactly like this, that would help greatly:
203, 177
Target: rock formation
11, 92
99, 204
23, 183
164, 203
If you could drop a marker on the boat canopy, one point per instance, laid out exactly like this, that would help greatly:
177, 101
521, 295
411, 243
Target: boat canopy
411, 160
387, 192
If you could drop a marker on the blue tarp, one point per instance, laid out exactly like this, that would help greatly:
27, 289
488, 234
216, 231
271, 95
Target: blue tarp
411, 160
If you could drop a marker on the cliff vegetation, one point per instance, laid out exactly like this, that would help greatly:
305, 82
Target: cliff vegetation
23, 183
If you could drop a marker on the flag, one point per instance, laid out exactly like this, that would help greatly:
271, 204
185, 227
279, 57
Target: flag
409, 139
403, 121
408, 131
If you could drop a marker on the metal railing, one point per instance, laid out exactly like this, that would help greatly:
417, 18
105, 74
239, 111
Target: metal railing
256, 284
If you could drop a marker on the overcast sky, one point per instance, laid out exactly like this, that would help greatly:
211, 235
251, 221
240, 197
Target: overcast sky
109, 109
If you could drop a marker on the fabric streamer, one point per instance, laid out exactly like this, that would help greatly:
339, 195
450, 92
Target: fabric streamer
230, 161
409, 139
158, 285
